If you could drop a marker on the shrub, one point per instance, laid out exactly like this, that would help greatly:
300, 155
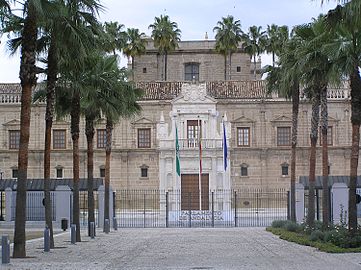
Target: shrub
317, 235
292, 226
278, 223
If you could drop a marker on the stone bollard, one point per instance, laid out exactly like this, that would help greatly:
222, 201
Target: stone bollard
5, 250
115, 223
92, 230
46, 240
73, 233
106, 226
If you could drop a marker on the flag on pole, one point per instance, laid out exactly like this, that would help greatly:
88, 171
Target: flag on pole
177, 161
200, 147
225, 152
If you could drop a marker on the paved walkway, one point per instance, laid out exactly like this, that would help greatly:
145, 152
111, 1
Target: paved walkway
234, 248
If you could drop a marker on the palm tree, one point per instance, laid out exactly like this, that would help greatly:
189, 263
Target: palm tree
276, 37
345, 50
135, 45
228, 36
284, 79
254, 44
116, 37
166, 36
32, 11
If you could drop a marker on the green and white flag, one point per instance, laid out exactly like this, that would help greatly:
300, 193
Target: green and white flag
177, 162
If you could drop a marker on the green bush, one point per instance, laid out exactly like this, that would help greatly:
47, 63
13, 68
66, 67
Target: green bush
278, 223
317, 235
292, 226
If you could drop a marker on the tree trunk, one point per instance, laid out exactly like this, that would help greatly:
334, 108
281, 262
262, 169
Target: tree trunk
325, 189
165, 65
312, 175
75, 120
108, 150
89, 132
28, 81
49, 114
273, 59
230, 66
225, 67
255, 67
355, 83
132, 57
295, 109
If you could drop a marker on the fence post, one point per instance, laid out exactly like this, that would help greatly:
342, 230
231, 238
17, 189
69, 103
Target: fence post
340, 203
46, 240
288, 205
144, 210
115, 224
166, 210
300, 202
8, 204
92, 230
212, 208
62, 203
235, 209
73, 234
257, 208
5, 249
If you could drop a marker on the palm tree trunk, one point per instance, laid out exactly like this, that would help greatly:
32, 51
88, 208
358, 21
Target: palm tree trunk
355, 83
295, 109
255, 67
165, 65
133, 67
75, 120
49, 114
230, 66
312, 174
89, 132
108, 150
225, 67
28, 81
324, 127
273, 59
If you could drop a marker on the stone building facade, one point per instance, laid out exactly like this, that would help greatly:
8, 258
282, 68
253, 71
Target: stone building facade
257, 127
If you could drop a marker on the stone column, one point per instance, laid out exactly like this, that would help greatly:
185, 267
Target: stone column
101, 193
300, 202
62, 203
339, 203
8, 204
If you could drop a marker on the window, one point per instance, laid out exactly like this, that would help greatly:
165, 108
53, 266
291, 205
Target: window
144, 70
193, 127
144, 138
143, 172
238, 69
191, 72
244, 170
102, 172
59, 139
284, 169
243, 136
329, 136
59, 172
15, 173
283, 136
14, 139
101, 138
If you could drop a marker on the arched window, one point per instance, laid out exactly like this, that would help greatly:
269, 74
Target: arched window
191, 72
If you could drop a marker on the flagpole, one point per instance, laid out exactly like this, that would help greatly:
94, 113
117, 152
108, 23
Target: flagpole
200, 164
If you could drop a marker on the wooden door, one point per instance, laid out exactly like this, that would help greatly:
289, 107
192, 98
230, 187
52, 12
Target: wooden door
190, 192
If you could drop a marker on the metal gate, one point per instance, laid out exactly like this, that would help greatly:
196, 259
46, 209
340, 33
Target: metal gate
226, 208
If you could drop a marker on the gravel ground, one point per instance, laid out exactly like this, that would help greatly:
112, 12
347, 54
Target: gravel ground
231, 248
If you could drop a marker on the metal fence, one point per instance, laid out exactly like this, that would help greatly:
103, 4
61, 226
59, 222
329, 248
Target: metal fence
219, 208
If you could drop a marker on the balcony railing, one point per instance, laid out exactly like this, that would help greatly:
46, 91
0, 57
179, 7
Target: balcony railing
194, 144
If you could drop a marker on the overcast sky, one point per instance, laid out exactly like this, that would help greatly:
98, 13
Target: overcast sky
194, 18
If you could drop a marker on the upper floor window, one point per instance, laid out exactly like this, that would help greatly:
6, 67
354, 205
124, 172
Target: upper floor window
144, 139
284, 169
193, 127
329, 136
243, 136
191, 72
102, 172
59, 172
15, 173
14, 139
283, 136
101, 138
59, 139
244, 170
238, 69
144, 70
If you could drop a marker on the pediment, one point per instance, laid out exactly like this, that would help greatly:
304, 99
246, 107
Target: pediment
143, 120
13, 122
332, 120
282, 118
243, 119
194, 93
61, 123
